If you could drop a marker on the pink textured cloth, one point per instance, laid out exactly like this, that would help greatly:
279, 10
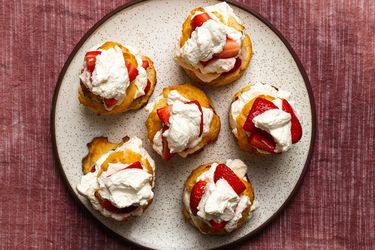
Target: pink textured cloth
334, 208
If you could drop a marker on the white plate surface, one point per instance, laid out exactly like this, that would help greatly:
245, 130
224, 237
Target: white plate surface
154, 27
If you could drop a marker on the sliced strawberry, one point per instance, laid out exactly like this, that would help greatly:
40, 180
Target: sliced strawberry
296, 128
165, 113
110, 207
230, 49
196, 195
166, 154
217, 225
260, 105
93, 169
198, 20
135, 165
132, 71
263, 141
145, 64
222, 171
236, 66
148, 87
90, 58
109, 102
200, 109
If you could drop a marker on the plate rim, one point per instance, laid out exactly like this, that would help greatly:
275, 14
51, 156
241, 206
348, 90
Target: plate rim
300, 68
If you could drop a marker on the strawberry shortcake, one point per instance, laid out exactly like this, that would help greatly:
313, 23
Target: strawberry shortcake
182, 120
115, 79
264, 119
218, 197
118, 177
214, 49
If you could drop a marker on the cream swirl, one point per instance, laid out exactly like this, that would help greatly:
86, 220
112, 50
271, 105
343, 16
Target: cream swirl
219, 201
121, 186
184, 125
276, 122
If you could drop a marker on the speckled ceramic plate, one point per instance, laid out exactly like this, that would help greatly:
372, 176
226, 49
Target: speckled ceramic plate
154, 27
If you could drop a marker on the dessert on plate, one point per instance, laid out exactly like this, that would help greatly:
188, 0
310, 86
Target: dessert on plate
182, 120
264, 119
115, 78
218, 197
118, 177
214, 49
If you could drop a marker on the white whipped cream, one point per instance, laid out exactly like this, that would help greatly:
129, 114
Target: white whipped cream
110, 77
269, 121
184, 128
207, 40
224, 10
126, 187
141, 80
219, 201
122, 187
277, 123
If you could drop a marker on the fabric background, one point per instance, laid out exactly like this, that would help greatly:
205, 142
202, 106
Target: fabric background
334, 208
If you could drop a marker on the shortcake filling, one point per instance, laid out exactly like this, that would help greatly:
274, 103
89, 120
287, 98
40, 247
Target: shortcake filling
185, 124
273, 117
124, 189
217, 197
141, 80
106, 74
213, 48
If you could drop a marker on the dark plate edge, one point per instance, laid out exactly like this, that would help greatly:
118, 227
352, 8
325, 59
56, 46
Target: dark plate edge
299, 65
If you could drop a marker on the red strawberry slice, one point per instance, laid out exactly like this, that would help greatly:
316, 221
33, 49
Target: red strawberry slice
230, 50
90, 58
196, 195
110, 207
148, 87
109, 102
236, 66
222, 171
136, 164
296, 128
217, 225
198, 20
166, 154
263, 141
93, 169
260, 105
200, 109
132, 71
165, 113
145, 64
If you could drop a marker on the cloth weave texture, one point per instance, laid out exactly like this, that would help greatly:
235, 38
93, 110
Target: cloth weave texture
335, 205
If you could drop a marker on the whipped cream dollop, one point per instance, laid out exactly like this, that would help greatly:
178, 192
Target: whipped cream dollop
224, 10
110, 77
184, 125
121, 186
206, 41
275, 121
219, 201
278, 124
